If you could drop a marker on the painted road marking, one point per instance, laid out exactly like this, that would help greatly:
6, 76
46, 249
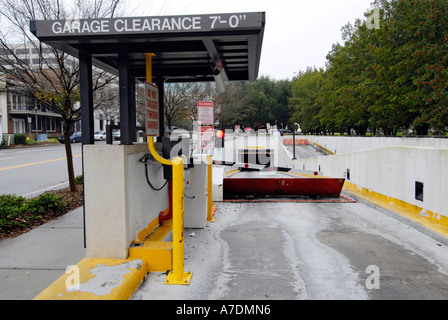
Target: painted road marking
36, 163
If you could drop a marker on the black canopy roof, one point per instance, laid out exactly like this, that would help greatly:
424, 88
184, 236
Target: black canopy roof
186, 48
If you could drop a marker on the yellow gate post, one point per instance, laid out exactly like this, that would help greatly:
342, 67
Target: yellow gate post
210, 189
177, 275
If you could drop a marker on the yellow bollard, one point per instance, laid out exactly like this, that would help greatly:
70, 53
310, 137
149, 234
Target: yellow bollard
177, 275
149, 66
210, 189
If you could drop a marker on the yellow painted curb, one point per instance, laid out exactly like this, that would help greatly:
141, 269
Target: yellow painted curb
97, 279
323, 148
231, 172
157, 255
431, 220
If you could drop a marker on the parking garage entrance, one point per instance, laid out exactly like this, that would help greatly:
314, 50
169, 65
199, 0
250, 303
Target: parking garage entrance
189, 48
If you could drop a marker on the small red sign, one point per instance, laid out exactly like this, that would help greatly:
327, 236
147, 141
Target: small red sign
206, 138
206, 113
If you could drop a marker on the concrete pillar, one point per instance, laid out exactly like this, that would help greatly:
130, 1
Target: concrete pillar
120, 203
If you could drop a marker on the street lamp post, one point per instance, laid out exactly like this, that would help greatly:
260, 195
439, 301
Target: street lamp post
294, 142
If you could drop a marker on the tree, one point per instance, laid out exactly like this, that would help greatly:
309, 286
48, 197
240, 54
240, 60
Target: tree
54, 82
107, 104
282, 111
305, 88
233, 105
393, 78
415, 60
267, 102
181, 101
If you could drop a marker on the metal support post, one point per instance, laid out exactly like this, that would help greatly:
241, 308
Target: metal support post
177, 275
86, 85
127, 105
210, 189
293, 142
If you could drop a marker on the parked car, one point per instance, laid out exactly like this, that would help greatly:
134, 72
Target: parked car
116, 135
74, 137
248, 130
283, 131
100, 135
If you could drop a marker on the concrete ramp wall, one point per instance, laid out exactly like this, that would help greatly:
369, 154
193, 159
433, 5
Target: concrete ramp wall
344, 144
415, 175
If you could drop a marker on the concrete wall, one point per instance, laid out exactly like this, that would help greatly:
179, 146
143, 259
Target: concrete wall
392, 171
196, 196
344, 144
118, 201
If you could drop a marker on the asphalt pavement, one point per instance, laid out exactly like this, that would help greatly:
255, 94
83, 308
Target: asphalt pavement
308, 250
29, 172
261, 251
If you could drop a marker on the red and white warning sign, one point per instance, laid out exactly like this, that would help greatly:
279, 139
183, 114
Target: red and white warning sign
152, 110
206, 138
206, 113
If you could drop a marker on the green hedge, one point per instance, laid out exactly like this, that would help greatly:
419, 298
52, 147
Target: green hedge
19, 138
18, 212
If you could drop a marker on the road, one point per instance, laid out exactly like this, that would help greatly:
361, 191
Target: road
306, 151
29, 172
323, 251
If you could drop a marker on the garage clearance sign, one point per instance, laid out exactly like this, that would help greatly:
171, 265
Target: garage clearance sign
191, 23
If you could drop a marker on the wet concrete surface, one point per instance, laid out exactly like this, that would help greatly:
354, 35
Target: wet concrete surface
402, 274
321, 251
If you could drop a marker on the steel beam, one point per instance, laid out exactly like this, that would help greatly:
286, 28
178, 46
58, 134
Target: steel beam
86, 91
127, 101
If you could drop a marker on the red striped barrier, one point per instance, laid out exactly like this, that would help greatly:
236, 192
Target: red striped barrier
299, 142
261, 187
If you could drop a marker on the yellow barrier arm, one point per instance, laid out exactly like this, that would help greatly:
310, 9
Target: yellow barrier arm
177, 275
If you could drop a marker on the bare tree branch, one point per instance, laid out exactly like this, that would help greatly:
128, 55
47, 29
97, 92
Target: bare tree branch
53, 78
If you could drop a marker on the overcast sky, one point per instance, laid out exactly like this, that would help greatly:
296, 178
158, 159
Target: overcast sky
298, 33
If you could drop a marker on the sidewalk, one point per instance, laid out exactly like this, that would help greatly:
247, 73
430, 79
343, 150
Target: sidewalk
34, 260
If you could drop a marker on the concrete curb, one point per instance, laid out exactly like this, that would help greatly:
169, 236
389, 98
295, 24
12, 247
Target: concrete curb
97, 279
430, 220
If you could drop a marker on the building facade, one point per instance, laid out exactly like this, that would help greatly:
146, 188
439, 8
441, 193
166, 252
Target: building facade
20, 113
